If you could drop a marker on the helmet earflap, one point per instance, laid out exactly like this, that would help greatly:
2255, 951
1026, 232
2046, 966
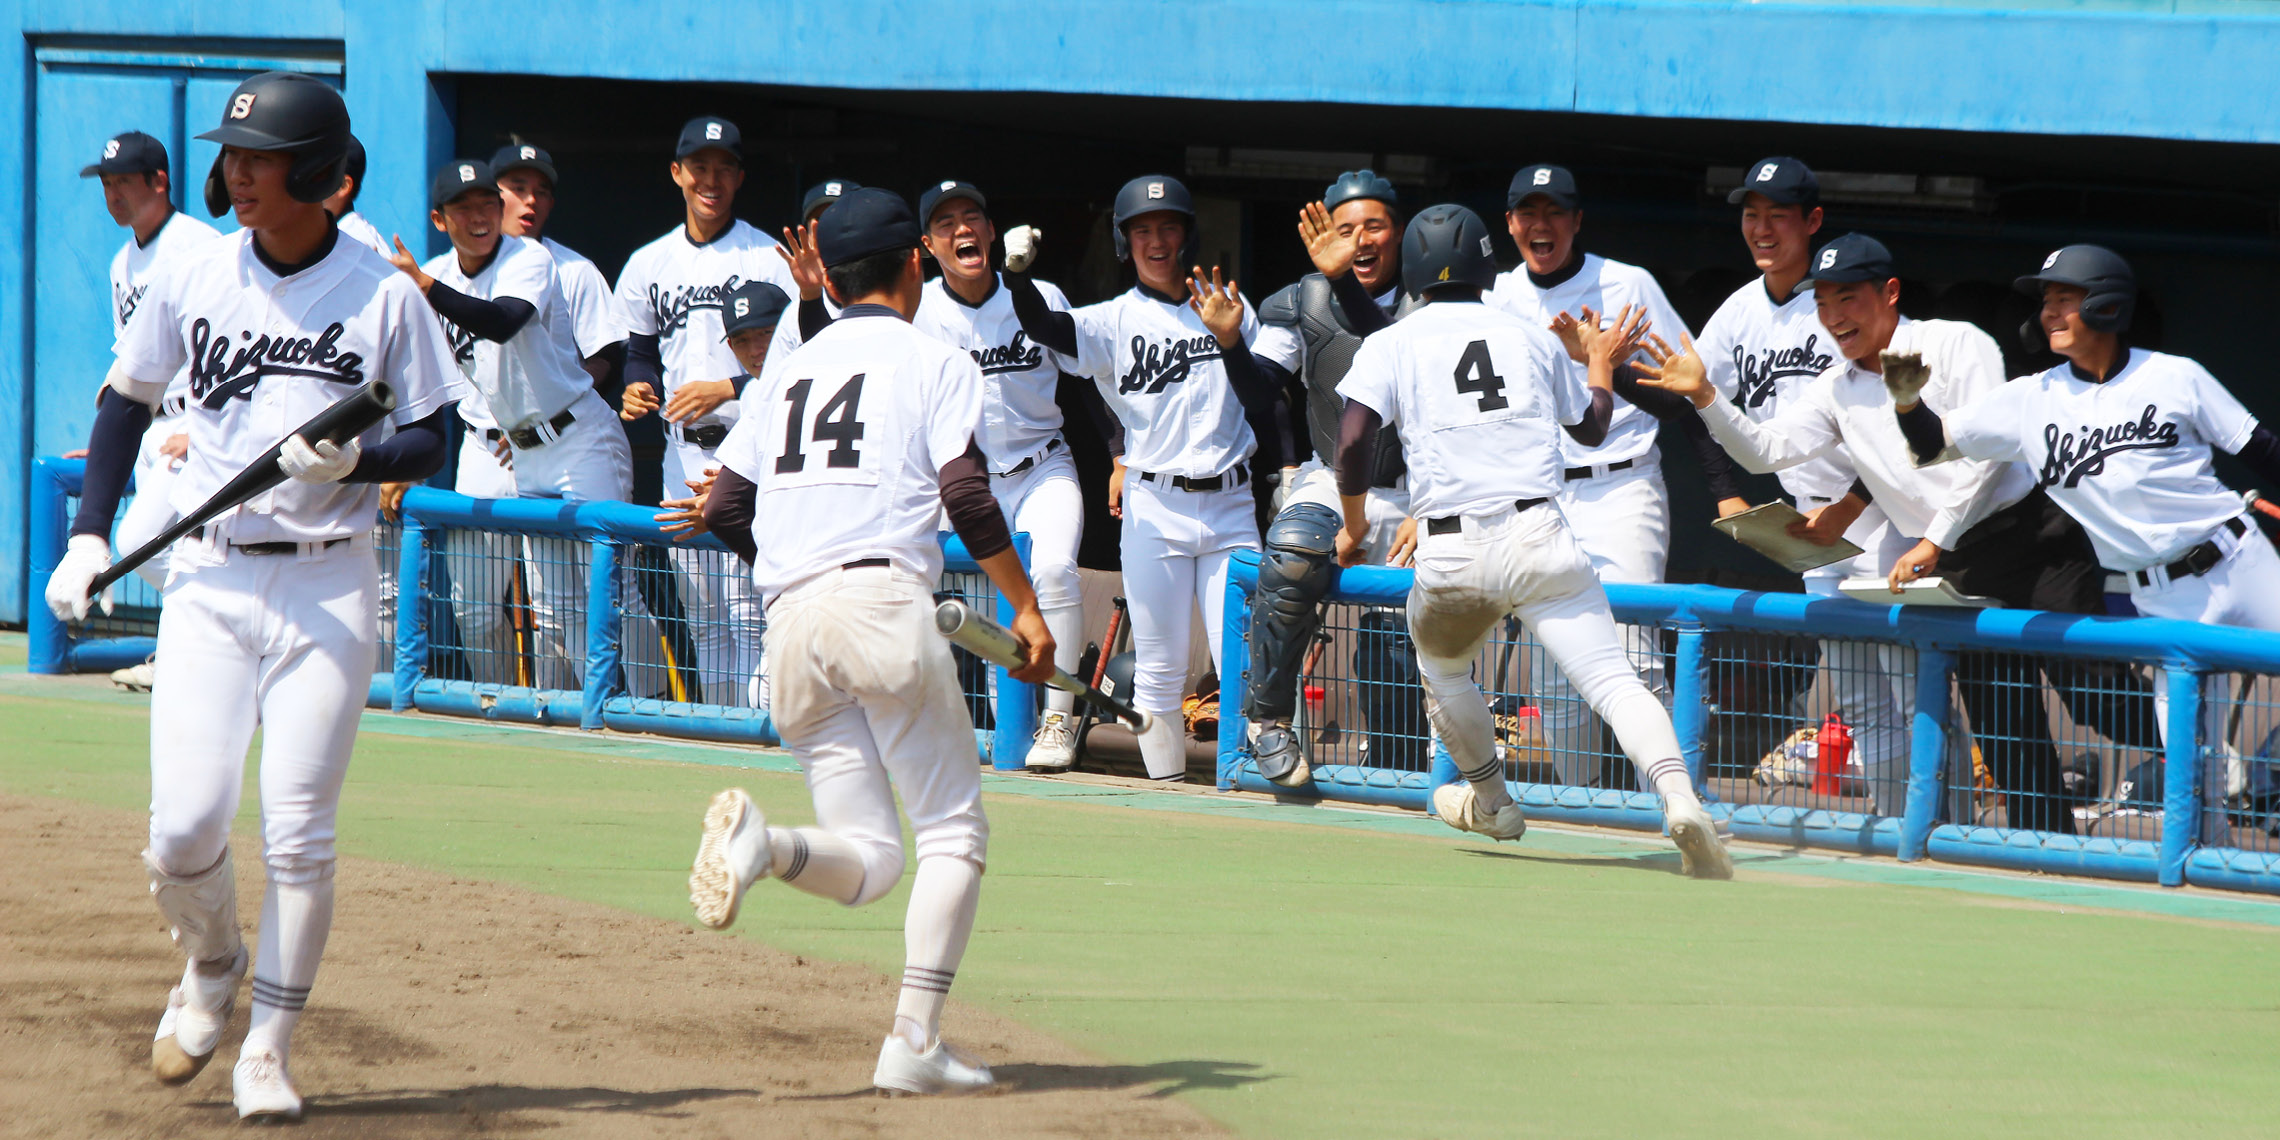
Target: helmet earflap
217, 194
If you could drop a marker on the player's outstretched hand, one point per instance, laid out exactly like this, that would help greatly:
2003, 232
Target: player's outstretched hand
639, 400
85, 556
1905, 375
1622, 340
1219, 307
403, 259
1331, 251
1021, 247
684, 519
1036, 646
1570, 332
322, 462
1678, 371
799, 252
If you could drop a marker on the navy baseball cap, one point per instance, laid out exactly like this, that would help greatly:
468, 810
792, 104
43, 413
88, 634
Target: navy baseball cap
752, 305
823, 194
942, 192
1783, 181
865, 222
458, 177
522, 156
130, 153
709, 132
1849, 259
1540, 180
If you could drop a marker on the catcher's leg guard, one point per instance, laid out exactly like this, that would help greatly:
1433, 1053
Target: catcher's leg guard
1295, 567
1392, 704
200, 909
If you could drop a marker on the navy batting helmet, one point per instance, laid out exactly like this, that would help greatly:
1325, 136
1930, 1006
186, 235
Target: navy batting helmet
285, 111
2112, 286
1146, 195
1447, 245
1355, 184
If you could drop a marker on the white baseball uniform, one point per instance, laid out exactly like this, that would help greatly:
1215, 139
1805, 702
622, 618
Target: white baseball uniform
1612, 493
1158, 369
671, 289
1031, 472
274, 638
354, 227
595, 319
1847, 406
132, 270
1479, 398
527, 385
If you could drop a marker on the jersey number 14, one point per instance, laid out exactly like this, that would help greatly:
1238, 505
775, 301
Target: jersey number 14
835, 421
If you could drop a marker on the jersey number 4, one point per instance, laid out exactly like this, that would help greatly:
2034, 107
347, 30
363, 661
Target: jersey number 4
835, 421
1476, 374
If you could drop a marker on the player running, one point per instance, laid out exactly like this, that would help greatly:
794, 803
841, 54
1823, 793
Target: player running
869, 436
676, 360
1171, 358
269, 616
1479, 398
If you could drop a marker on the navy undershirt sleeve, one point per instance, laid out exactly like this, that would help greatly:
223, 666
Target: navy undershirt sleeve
495, 321
111, 447
416, 451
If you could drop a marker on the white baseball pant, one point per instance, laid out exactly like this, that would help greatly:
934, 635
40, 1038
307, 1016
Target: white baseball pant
1047, 502
1175, 547
1527, 563
717, 598
478, 564
149, 513
590, 460
1621, 519
2241, 590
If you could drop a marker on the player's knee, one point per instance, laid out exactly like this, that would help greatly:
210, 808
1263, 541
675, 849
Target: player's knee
1058, 585
883, 867
184, 845
300, 868
1295, 559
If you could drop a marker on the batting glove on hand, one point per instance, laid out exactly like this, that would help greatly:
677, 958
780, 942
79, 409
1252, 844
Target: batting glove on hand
324, 462
1905, 376
1021, 247
83, 558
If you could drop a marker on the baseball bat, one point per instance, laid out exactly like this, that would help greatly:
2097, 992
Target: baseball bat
351, 417
991, 642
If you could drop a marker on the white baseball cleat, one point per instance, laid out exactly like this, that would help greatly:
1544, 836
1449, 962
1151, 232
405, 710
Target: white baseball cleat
935, 1072
134, 678
731, 857
1460, 809
1701, 854
1055, 746
262, 1089
197, 1010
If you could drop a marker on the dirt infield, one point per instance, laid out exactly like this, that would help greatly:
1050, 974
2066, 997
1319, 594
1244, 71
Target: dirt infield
449, 1007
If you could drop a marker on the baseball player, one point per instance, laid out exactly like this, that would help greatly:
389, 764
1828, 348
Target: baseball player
1479, 397
526, 178
269, 616
135, 184
342, 204
676, 360
1353, 235
869, 438
2120, 438
1171, 358
1031, 473
1612, 493
500, 299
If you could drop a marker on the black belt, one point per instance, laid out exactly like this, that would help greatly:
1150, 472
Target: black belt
2199, 560
867, 563
1026, 464
1236, 476
1451, 524
199, 533
1574, 473
527, 438
707, 436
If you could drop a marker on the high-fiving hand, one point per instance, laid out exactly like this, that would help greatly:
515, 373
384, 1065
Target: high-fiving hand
1332, 251
1678, 371
1220, 307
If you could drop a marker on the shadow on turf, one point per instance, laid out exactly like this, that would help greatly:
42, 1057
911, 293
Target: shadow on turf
511, 1098
1175, 1077
1663, 862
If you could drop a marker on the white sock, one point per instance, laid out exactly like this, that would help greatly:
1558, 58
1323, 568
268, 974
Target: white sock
1459, 714
1067, 625
296, 918
1161, 748
816, 861
1642, 726
943, 896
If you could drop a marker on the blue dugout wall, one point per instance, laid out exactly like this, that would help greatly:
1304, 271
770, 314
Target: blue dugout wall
2195, 70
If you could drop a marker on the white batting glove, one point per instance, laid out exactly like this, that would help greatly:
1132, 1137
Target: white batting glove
1905, 376
1021, 246
326, 462
83, 558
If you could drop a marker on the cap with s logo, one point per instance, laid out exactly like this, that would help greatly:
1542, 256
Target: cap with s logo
1155, 190
820, 196
710, 132
752, 305
523, 156
131, 153
462, 176
1552, 183
242, 106
1850, 259
944, 191
1780, 180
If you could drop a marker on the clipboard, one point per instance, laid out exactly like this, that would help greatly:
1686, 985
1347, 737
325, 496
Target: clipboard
1765, 529
1934, 591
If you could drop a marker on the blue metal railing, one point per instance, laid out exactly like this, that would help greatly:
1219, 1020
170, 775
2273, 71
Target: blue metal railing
2189, 652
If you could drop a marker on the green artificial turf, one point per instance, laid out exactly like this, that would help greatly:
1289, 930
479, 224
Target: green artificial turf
1382, 977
